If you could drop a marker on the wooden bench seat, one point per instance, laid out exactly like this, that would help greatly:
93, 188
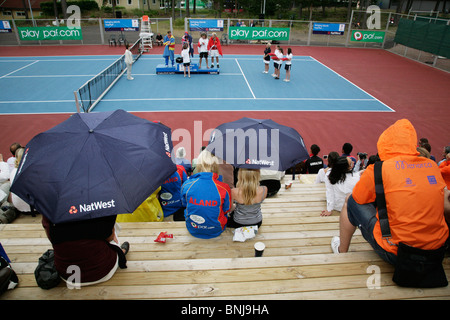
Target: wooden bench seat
297, 264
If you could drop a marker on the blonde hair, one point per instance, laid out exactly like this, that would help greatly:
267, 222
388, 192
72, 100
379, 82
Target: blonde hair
207, 162
248, 183
19, 154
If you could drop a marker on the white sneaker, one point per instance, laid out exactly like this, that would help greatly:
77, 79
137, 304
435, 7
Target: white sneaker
286, 80
265, 71
273, 75
335, 243
130, 78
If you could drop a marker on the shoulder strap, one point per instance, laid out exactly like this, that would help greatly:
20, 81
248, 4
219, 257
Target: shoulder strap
381, 200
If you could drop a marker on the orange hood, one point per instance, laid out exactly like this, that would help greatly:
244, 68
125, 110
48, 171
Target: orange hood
399, 139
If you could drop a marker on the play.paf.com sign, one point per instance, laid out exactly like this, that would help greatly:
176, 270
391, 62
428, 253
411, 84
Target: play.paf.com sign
367, 36
258, 33
49, 33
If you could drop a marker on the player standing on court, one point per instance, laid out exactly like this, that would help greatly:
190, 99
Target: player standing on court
215, 49
128, 61
169, 43
203, 50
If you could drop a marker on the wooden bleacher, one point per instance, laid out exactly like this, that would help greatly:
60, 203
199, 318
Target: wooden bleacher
297, 264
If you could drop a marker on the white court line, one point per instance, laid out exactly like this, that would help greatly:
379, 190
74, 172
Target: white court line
353, 84
19, 69
210, 99
196, 99
53, 76
245, 79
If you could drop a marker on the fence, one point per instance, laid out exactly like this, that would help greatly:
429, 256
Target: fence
355, 34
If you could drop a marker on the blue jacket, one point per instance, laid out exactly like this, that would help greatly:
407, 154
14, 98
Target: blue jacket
170, 194
207, 201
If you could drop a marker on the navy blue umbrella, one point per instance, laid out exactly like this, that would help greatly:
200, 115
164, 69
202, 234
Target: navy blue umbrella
258, 144
94, 165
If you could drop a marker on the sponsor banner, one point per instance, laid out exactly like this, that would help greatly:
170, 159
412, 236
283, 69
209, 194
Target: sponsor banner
367, 36
205, 25
329, 28
121, 24
50, 33
5, 26
258, 33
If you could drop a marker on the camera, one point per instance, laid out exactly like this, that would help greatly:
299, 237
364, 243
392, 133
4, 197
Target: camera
362, 155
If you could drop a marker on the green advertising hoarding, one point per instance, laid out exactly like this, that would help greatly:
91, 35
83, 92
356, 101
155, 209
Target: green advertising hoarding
258, 33
50, 33
367, 36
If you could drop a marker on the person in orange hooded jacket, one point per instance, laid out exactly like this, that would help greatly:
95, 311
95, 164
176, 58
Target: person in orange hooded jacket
414, 191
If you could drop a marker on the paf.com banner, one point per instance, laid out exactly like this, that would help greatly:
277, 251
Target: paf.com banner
367, 36
50, 33
258, 33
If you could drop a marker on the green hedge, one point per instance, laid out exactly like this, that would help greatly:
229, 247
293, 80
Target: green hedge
85, 5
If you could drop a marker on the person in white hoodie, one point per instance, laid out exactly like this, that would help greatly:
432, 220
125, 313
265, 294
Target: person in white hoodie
128, 62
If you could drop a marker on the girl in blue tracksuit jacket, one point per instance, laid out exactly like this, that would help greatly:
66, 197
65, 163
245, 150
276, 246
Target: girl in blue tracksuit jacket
207, 201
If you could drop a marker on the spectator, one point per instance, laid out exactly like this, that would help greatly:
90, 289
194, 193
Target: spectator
91, 245
444, 154
12, 160
347, 149
272, 180
159, 39
361, 164
181, 159
427, 147
207, 199
423, 152
20, 205
194, 161
247, 196
170, 194
324, 172
445, 170
416, 215
314, 163
339, 184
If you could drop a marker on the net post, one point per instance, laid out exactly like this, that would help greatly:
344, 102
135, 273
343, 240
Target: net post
77, 103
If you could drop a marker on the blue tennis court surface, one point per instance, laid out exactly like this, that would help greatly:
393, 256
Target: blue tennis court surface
46, 85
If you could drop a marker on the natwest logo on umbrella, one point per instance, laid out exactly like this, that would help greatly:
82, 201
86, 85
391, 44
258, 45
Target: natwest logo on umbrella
93, 206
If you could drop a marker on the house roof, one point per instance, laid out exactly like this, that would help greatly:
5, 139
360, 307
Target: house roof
18, 4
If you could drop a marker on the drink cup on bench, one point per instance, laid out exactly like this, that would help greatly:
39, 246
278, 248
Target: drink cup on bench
259, 249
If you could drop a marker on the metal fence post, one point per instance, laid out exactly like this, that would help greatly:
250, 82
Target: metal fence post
102, 36
349, 30
16, 31
387, 28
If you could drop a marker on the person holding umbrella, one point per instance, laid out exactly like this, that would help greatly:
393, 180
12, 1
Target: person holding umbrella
81, 174
91, 245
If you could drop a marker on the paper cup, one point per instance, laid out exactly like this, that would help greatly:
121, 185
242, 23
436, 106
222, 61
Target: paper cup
259, 249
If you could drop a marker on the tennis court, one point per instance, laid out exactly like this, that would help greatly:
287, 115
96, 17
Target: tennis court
46, 85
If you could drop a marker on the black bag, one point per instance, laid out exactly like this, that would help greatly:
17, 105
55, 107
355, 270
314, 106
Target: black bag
414, 267
8, 277
419, 268
45, 273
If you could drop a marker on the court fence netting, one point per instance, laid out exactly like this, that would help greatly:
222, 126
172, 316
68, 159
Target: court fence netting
90, 93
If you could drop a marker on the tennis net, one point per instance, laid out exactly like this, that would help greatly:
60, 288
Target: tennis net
90, 93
